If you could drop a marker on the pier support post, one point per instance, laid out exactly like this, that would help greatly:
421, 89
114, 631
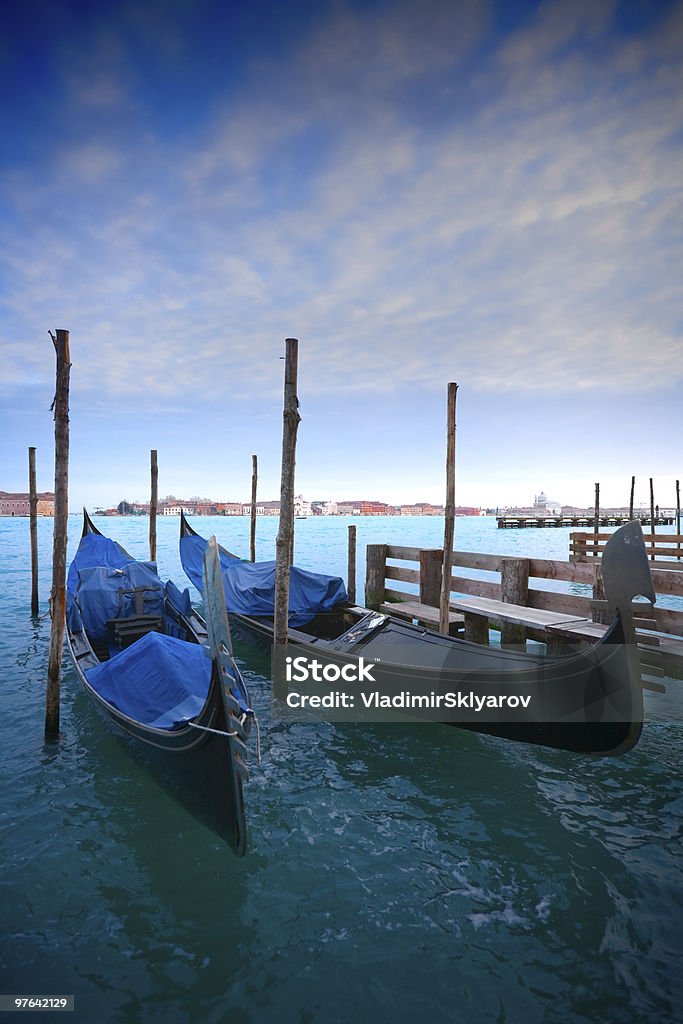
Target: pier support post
284, 545
375, 573
599, 610
351, 573
449, 522
678, 518
630, 507
596, 519
252, 526
514, 586
476, 628
431, 565
33, 513
153, 500
652, 518
58, 598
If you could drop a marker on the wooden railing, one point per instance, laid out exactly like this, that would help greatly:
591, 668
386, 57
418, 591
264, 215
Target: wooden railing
664, 549
516, 580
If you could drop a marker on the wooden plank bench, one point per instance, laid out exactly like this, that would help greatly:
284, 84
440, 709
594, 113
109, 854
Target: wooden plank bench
424, 614
479, 611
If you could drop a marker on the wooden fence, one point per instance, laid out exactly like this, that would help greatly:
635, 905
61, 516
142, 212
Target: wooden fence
665, 550
514, 580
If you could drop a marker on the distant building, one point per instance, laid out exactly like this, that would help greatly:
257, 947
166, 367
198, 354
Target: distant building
18, 504
229, 508
373, 508
302, 508
175, 510
543, 506
325, 508
205, 508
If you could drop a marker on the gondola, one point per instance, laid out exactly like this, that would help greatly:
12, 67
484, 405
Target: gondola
587, 702
164, 677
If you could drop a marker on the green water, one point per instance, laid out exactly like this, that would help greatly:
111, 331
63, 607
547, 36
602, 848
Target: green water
395, 872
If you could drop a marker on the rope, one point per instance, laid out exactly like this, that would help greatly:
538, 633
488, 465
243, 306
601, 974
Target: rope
216, 732
258, 740
219, 732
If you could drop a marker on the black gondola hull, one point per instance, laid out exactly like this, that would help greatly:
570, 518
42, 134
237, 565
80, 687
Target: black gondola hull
200, 763
594, 697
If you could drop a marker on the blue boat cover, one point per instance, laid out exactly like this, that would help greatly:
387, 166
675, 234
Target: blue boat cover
250, 586
93, 550
159, 681
104, 594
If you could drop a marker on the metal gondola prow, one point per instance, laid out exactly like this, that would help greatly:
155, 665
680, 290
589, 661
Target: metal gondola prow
229, 680
626, 570
88, 525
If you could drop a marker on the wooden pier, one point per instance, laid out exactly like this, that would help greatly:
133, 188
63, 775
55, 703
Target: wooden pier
514, 600
542, 522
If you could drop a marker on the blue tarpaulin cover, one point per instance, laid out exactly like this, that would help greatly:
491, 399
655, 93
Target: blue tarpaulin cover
250, 586
158, 681
95, 550
103, 593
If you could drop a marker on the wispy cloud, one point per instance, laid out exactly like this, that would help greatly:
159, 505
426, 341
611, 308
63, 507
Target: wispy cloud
413, 195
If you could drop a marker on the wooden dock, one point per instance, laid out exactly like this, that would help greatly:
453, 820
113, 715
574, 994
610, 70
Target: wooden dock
542, 522
514, 600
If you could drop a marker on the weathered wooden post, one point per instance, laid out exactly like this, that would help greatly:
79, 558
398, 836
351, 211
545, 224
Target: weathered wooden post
351, 574
375, 572
58, 598
599, 610
630, 507
431, 567
252, 529
153, 501
449, 523
33, 513
652, 517
284, 544
678, 518
596, 520
514, 587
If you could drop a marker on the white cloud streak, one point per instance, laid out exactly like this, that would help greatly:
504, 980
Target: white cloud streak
413, 207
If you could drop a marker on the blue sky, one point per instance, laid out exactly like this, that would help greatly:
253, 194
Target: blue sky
420, 192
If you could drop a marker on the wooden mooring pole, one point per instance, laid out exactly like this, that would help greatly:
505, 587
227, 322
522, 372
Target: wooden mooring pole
153, 501
514, 588
375, 574
596, 518
630, 507
652, 517
284, 544
252, 529
351, 574
58, 598
33, 513
678, 516
449, 524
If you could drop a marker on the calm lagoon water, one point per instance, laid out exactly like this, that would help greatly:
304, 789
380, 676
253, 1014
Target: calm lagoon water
394, 871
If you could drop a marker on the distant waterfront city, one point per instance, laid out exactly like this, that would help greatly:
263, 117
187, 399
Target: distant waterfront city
17, 504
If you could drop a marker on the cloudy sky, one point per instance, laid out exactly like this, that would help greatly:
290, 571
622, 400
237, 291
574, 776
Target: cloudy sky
419, 190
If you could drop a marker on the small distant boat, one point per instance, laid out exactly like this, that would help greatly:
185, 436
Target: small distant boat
588, 702
163, 675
